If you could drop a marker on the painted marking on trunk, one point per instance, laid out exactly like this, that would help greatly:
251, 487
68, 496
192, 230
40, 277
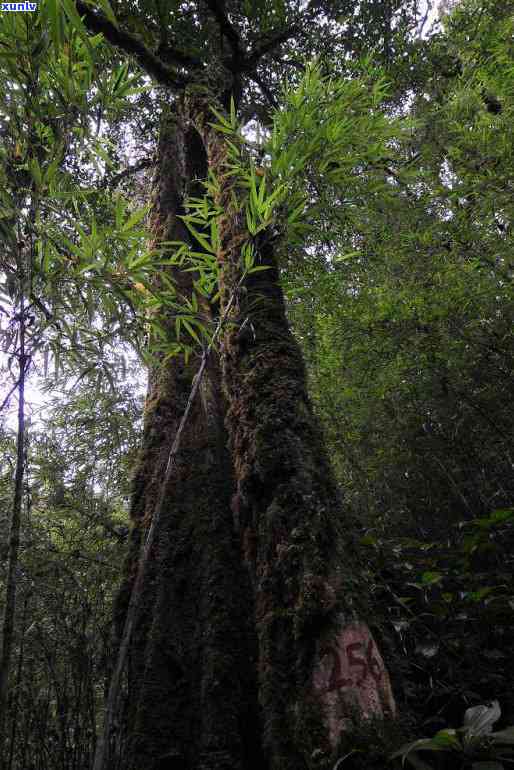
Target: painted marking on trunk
350, 677
358, 655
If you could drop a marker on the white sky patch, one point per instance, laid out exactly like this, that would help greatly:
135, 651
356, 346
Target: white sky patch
35, 402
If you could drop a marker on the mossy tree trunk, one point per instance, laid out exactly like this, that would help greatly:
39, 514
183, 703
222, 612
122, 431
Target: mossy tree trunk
249, 651
191, 693
295, 546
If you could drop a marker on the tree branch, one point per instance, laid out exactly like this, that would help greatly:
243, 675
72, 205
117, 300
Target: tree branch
133, 45
145, 163
272, 42
8, 396
266, 46
226, 28
264, 88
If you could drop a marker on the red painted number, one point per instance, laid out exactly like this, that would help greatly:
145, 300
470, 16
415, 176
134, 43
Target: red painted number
336, 679
359, 656
367, 663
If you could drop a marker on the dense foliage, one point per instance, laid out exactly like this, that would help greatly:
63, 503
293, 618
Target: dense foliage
384, 170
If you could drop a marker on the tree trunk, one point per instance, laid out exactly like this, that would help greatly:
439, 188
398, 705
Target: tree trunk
14, 535
191, 694
249, 651
318, 666
16, 697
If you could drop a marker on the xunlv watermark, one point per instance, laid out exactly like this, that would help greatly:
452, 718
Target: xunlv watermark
23, 7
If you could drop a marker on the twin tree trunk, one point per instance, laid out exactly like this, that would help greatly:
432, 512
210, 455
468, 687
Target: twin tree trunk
248, 652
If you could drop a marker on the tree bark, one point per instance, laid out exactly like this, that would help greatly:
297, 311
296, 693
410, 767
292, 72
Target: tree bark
191, 693
250, 650
14, 534
298, 553
316, 664
16, 697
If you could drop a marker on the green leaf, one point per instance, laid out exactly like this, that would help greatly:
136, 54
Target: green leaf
251, 225
119, 77
224, 122
202, 240
501, 515
254, 198
295, 213
77, 23
448, 738
222, 129
262, 191
431, 578
275, 196
135, 218
233, 116
36, 173
89, 266
347, 256
248, 256
190, 329
109, 13
477, 596
55, 22
144, 259
215, 239
422, 744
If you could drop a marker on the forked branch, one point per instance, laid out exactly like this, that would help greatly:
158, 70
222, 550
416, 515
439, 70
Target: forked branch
133, 45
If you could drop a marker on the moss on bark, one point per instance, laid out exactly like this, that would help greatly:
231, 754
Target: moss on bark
286, 501
191, 686
252, 569
288, 509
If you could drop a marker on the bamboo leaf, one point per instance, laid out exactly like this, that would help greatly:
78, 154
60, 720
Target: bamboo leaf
109, 13
190, 329
202, 240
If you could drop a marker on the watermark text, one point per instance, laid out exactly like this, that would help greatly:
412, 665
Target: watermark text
18, 7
